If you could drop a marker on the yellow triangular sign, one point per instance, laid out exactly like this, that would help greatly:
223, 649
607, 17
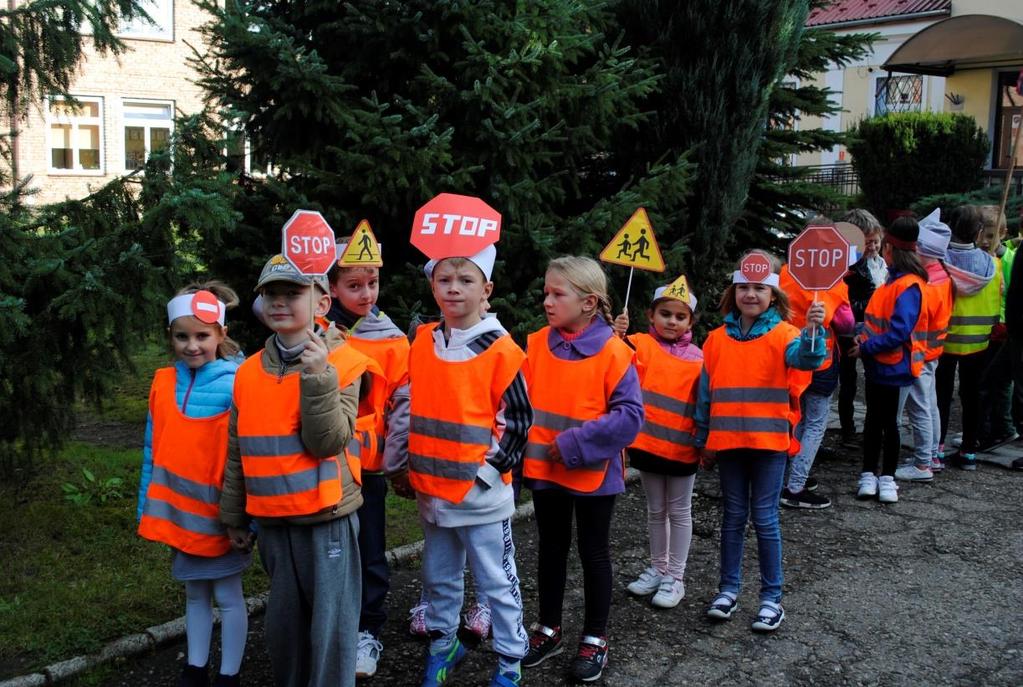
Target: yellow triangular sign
363, 249
634, 245
678, 289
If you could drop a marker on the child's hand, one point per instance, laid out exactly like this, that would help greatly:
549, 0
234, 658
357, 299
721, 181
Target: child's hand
241, 538
401, 486
553, 452
314, 357
621, 324
708, 458
815, 314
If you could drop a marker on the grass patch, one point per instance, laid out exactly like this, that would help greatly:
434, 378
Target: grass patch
77, 576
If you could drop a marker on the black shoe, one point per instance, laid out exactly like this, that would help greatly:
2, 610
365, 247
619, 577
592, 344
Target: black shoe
591, 659
811, 484
965, 461
985, 445
194, 676
227, 680
544, 642
1017, 464
804, 499
827, 453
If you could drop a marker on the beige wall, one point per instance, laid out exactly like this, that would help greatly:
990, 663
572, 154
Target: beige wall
151, 70
1010, 9
975, 86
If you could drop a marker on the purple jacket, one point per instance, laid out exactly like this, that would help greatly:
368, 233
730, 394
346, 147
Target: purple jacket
605, 437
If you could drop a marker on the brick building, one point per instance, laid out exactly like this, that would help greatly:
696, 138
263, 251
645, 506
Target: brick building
128, 104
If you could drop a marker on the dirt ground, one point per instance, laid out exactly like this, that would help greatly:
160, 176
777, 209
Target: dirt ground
924, 592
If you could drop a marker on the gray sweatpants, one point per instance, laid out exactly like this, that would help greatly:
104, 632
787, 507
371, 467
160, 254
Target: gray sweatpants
491, 555
312, 617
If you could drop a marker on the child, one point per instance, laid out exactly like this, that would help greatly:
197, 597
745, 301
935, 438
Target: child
470, 415
867, 274
669, 365
996, 426
371, 332
975, 311
589, 407
182, 470
815, 402
294, 412
743, 417
892, 348
921, 400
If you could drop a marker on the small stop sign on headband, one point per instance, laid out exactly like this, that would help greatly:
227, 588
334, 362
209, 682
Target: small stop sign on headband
206, 307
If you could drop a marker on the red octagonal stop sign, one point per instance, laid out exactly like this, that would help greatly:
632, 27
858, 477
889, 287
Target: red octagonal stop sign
451, 226
307, 242
818, 258
755, 267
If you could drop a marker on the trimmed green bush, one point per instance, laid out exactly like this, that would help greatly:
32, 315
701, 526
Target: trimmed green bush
992, 195
903, 156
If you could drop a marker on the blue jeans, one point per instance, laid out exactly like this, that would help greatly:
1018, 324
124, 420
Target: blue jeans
751, 481
810, 432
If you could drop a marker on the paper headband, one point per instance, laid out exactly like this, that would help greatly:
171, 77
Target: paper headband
202, 305
678, 290
770, 280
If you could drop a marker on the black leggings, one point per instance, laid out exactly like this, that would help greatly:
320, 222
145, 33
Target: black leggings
881, 428
554, 509
971, 371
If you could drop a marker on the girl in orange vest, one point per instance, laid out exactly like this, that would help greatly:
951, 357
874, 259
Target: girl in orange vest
182, 470
892, 348
587, 408
745, 408
669, 366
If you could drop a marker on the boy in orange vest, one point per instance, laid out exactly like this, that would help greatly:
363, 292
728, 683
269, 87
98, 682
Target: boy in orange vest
470, 415
294, 410
355, 291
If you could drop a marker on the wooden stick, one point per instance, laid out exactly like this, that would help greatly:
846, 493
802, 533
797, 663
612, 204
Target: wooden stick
1008, 182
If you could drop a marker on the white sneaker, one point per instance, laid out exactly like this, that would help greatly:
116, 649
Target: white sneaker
669, 593
367, 655
911, 473
649, 581
868, 486
887, 490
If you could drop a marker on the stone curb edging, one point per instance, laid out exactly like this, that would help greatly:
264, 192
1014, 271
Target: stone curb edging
135, 644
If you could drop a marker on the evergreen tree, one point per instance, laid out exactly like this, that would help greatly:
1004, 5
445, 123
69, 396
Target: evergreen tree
780, 197
368, 109
720, 60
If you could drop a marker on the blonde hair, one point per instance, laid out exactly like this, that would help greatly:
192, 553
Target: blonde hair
228, 348
990, 217
586, 278
780, 302
863, 219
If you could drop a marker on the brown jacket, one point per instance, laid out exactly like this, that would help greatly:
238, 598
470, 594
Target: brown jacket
328, 422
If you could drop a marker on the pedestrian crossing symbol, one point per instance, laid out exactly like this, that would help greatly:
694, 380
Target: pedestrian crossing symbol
678, 290
634, 245
363, 250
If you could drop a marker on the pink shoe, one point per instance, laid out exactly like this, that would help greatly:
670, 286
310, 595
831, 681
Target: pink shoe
477, 620
417, 620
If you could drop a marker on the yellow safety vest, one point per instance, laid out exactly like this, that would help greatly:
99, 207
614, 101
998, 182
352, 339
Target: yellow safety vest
969, 328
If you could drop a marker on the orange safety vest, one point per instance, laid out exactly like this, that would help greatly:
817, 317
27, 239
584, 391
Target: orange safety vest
877, 320
669, 397
281, 478
938, 303
754, 396
182, 501
565, 394
453, 409
800, 301
392, 357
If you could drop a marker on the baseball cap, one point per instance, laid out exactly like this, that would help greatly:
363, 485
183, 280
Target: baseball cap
278, 268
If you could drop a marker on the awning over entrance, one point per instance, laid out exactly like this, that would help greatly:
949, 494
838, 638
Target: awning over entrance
971, 41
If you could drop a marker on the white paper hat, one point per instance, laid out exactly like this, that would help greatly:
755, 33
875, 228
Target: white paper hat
484, 260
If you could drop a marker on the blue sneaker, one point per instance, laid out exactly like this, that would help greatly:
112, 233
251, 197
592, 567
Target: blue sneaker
965, 461
441, 665
507, 679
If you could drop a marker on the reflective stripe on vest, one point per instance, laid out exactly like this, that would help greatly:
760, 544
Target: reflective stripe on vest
453, 410
753, 395
877, 320
182, 500
969, 328
564, 394
392, 357
281, 478
800, 301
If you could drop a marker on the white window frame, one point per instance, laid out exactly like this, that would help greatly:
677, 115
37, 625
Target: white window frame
75, 122
162, 13
147, 125
247, 167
